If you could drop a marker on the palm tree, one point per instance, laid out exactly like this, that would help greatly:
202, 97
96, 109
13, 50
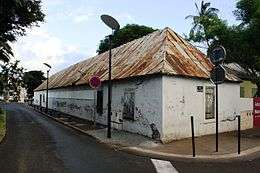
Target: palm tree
200, 23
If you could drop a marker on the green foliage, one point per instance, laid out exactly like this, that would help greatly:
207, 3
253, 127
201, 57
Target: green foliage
126, 34
205, 24
12, 82
15, 17
32, 80
2, 124
247, 10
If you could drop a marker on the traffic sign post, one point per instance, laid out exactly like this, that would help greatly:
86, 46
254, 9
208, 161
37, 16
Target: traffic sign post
217, 75
218, 55
95, 83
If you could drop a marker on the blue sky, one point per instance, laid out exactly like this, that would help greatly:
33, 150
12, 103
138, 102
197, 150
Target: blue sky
72, 28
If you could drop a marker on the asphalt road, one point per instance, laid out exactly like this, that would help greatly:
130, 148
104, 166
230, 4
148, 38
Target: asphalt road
36, 144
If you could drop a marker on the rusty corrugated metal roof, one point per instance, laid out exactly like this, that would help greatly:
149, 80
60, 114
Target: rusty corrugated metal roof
162, 51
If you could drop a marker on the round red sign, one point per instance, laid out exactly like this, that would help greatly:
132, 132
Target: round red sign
94, 82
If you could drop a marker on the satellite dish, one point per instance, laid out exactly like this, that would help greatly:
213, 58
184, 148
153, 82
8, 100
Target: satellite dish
110, 22
218, 55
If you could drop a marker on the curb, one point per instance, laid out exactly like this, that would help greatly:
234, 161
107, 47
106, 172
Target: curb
162, 155
200, 158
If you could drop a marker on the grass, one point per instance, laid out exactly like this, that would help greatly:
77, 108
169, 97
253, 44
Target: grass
2, 124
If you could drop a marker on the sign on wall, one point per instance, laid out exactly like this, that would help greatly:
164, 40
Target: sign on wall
199, 88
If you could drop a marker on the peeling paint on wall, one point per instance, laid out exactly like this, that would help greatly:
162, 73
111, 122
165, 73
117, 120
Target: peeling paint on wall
145, 122
147, 104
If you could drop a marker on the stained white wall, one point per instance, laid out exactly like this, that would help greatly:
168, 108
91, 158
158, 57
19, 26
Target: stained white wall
181, 100
79, 101
166, 101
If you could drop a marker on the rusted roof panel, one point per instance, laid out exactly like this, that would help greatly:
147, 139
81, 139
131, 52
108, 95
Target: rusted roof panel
162, 51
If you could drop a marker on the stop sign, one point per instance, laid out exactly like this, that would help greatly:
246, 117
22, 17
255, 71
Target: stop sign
94, 82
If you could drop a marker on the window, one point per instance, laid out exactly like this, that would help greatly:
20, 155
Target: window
242, 92
100, 102
129, 105
209, 103
40, 100
43, 98
254, 92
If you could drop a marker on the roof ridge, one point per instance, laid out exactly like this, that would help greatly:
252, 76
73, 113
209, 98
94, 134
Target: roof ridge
164, 47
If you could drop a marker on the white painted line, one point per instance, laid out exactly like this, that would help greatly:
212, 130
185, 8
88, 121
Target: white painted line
162, 166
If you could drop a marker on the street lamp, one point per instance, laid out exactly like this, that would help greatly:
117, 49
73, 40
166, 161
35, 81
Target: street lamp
47, 88
114, 25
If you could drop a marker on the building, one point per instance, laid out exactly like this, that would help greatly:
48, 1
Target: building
247, 88
12, 96
159, 81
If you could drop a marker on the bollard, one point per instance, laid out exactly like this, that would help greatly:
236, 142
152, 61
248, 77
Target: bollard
192, 134
238, 134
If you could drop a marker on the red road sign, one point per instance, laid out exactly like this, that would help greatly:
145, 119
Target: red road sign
256, 112
94, 82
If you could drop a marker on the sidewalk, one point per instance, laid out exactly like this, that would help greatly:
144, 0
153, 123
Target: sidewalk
141, 145
205, 145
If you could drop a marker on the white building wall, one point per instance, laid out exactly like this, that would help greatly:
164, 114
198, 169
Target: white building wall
168, 102
79, 101
181, 100
246, 105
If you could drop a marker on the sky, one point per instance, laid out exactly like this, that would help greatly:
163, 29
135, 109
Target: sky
72, 29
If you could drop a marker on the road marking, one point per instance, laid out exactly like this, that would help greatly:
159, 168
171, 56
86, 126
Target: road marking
162, 166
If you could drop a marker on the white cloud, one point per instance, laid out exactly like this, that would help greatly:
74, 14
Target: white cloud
78, 15
39, 47
81, 18
127, 17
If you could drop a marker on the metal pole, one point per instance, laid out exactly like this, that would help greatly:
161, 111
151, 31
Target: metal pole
193, 138
47, 92
216, 117
109, 92
238, 135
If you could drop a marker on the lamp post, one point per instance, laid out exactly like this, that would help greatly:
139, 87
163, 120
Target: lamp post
47, 88
114, 25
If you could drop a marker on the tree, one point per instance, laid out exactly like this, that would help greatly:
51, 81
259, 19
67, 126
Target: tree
12, 81
31, 80
124, 35
15, 17
242, 41
205, 24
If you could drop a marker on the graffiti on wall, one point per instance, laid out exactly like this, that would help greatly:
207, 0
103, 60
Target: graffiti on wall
60, 104
73, 107
88, 109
